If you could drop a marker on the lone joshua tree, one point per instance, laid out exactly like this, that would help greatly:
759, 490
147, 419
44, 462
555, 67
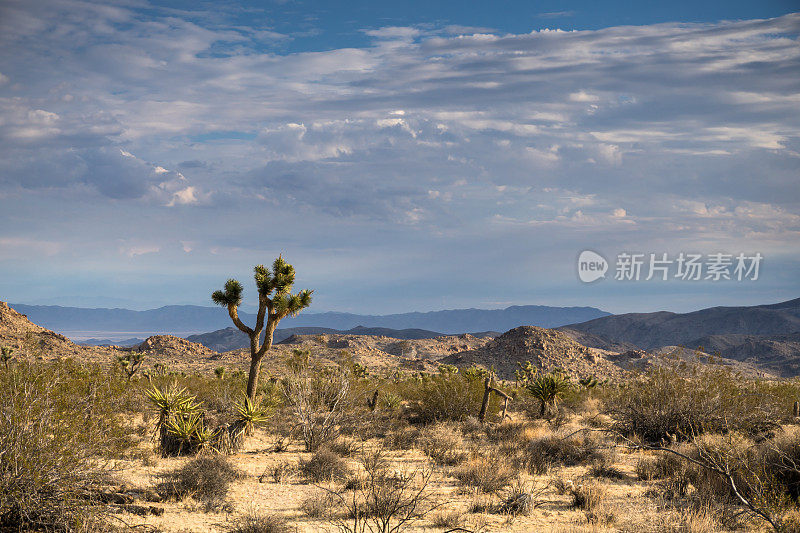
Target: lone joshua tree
275, 301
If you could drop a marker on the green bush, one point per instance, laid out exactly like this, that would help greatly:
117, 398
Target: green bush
56, 420
681, 401
444, 396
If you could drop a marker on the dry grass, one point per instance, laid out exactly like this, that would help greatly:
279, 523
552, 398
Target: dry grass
443, 444
546, 452
448, 519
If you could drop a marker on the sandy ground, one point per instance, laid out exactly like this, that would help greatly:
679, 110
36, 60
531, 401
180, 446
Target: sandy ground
626, 499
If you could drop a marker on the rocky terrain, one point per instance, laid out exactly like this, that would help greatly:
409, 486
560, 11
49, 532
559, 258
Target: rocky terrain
547, 349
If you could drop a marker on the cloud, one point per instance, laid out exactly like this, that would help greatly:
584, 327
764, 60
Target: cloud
425, 136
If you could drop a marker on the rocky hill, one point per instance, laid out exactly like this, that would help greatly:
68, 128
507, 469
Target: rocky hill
232, 338
35, 342
547, 349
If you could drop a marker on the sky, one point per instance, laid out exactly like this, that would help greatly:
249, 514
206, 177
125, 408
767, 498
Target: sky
404, 156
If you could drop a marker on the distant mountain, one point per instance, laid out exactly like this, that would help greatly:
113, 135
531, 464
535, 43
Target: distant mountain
231, 338
765, 335
193, 318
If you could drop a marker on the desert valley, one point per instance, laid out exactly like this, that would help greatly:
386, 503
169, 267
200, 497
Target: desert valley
355, 431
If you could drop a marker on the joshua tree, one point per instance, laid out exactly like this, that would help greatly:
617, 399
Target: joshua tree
275, 301
6, 354
130, 363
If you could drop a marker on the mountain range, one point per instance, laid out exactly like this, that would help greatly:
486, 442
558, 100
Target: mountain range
199, 319
768, 335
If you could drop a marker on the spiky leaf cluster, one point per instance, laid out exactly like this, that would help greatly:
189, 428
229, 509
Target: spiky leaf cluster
171, 400
279, 281
548, 387
190, 430
251, 412
231, 296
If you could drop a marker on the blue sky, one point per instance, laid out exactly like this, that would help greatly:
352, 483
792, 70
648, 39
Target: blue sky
403, 155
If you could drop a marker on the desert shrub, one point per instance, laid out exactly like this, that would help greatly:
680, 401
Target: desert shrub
449, 520
603, 467
506, 432
662, 466
253, 522
523, 498
383, 499
587, 496
551, 450
206, 478
324, 465
444, 396
278, 472
443, 444
57, 423
343, 446
490, 473
402, 437
320, 399
319, 505
679, 402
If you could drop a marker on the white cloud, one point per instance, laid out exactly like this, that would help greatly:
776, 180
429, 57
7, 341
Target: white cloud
583, 96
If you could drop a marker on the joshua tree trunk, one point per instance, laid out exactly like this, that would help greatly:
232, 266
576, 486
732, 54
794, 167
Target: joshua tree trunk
256, 355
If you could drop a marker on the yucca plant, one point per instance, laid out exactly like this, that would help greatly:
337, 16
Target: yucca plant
171, 400
251, 413
588, 382
189, 432
172, 405
547, 388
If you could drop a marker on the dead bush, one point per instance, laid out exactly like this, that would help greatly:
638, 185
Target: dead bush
325, 465
488, 473
587, 496
383, 499
661, 466
206, 478
450, 520
603, 467
320, 399
319, 505
402, 437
